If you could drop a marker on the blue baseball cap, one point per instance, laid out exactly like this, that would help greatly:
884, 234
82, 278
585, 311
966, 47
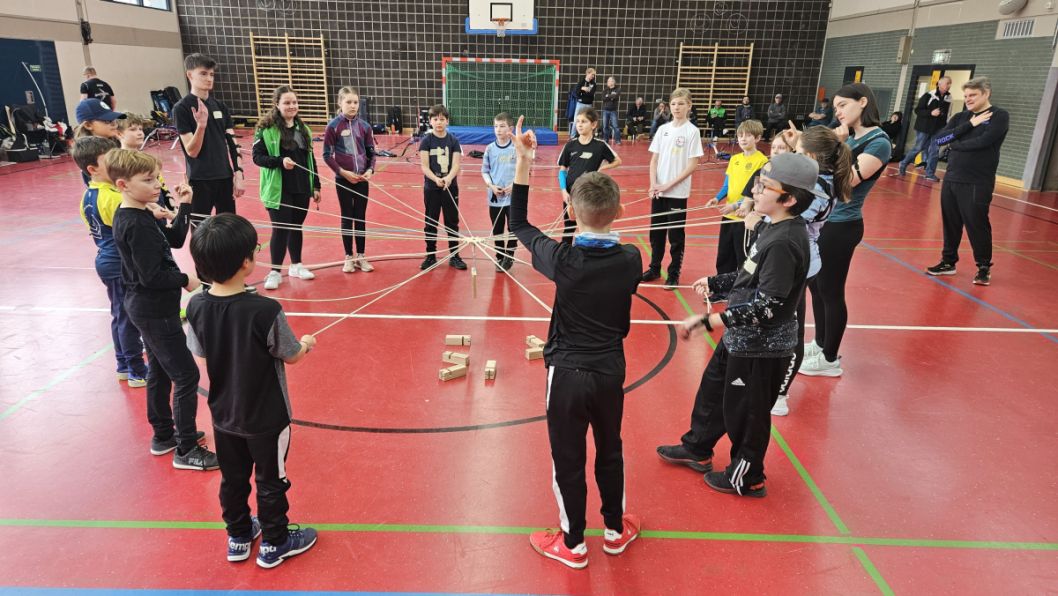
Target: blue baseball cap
94, 109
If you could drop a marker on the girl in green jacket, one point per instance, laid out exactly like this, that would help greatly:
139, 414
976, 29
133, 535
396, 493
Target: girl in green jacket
282, 148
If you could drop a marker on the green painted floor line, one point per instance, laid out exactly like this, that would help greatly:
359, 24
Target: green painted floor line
807, 478
879, 581
66, 374
679, 295
524, 530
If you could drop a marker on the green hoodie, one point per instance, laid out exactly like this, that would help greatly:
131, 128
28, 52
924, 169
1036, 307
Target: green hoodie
271, 179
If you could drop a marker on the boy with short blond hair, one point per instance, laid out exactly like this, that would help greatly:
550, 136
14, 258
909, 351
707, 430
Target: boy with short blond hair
497, 169
738, 200
98, 205
174, 219
595, 279
153, 282
675, 151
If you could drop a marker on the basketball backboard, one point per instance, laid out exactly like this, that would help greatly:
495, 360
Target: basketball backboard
514, 16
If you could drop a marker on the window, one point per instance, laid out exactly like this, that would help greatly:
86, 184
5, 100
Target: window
156, 4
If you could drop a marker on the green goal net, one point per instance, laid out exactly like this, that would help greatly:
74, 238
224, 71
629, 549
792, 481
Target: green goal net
476, 89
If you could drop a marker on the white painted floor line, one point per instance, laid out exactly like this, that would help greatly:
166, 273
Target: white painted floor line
416, 317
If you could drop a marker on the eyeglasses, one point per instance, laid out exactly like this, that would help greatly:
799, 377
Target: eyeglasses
761, 187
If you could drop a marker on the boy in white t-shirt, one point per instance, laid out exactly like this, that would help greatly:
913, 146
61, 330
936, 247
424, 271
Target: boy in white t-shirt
676, 149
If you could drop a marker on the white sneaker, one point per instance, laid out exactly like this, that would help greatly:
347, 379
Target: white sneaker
817, 365
781, 407
366, 267
812, 348
350, 264
272, 280
301, 272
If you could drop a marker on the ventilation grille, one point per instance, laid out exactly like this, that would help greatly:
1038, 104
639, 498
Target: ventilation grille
1018, 29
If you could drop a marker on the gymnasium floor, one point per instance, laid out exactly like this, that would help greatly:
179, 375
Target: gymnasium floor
928, 468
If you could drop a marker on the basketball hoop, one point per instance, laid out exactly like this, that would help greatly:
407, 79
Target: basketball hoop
501, 27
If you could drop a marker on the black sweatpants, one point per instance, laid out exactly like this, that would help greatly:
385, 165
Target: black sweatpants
735, 397
353, 203
672, 214
799, 349
291, 212
265, 458
731, 247
966, 205
500, 217
170, 364
837, 243
210, 194
575, 400
436, 202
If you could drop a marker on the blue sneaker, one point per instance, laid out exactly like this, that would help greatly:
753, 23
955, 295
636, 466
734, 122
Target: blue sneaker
298, 541
239, 546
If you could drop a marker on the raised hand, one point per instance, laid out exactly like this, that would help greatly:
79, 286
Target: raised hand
201, 114
524, 142
183, 193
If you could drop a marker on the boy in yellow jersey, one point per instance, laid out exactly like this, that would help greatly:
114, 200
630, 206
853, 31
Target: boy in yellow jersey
737, 199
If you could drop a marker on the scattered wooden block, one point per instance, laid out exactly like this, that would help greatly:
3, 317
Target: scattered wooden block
457, 340
534, 342
455, 358
534, 353
452, 372
490, 370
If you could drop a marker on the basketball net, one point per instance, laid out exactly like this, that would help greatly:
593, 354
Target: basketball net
501, 27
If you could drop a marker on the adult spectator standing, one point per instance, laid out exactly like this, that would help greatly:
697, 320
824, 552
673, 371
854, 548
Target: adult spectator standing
636, 119
932, 111
776, 117
585, 96
744, 112
97, 88
822, 116
974, 138
611, 132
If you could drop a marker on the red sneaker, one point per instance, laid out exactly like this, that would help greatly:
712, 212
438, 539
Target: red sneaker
551, 544
614, 543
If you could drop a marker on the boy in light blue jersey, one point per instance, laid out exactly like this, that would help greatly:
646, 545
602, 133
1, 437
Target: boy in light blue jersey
497, 169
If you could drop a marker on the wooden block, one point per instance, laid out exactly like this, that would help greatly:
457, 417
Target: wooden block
534, 342
457, 340
455, 358
490, 370
534, 353
452, 372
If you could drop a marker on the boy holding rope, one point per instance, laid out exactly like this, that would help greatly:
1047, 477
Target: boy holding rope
245, 339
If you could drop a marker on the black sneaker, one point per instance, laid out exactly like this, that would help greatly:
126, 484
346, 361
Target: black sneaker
507, 263
983, 277
457, 263
941, 268
651, 275
162, 447
672, 282
678, 454
428, 262
199, 458
718, 481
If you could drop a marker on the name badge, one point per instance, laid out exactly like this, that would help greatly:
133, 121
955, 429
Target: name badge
750, 266
219, 115
346, 133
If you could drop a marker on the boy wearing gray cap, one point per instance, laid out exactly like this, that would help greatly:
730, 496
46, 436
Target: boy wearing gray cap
743, 377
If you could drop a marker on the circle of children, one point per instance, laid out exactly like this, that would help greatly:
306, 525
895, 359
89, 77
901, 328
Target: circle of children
790, 225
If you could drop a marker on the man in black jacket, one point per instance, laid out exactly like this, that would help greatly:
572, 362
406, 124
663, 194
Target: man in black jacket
932, 111
975, 137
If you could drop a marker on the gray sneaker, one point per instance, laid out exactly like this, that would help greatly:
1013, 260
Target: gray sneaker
159, 447
199, 458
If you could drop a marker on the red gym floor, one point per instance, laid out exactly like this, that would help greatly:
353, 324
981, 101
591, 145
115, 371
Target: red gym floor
928, 468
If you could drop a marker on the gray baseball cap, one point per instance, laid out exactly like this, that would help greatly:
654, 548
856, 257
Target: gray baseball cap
794, 169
